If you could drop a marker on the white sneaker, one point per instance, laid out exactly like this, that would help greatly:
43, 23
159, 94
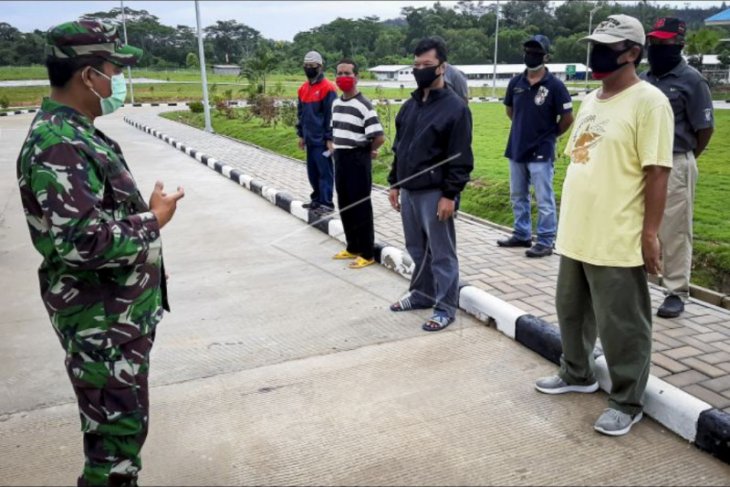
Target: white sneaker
555, 385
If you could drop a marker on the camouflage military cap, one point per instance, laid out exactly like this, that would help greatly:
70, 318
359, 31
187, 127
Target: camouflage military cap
90, 38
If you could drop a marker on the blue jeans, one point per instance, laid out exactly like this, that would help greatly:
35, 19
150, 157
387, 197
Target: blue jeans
320, 171
540, 175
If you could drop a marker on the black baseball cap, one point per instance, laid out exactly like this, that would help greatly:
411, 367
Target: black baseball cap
668, 28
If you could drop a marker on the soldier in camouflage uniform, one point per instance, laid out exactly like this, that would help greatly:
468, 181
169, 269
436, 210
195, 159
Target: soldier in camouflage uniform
102, 278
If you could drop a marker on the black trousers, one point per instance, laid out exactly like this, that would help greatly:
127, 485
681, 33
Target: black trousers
354, 181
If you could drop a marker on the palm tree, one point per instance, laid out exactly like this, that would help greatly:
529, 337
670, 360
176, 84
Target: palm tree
191, 60
256, 68
701, 42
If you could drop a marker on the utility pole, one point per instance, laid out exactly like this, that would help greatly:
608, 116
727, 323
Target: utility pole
129, 68
201, 56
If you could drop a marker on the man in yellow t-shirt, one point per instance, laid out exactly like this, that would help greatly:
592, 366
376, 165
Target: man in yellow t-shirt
611, 210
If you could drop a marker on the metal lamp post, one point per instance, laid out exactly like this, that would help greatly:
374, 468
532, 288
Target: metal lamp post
588, 44
201, 56
129, 68
496, 45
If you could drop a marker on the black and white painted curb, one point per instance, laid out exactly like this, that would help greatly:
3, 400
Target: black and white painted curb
243, 103
680, 412
10, 113
19, 112
234, 103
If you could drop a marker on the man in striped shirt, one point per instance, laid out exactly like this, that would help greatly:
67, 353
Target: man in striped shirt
357, 135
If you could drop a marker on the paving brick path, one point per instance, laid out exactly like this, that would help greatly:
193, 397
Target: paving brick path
692, 352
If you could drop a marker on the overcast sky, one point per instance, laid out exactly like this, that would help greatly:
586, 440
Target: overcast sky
279, 20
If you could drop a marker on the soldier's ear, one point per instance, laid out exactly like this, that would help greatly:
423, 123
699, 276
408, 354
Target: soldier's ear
85, 74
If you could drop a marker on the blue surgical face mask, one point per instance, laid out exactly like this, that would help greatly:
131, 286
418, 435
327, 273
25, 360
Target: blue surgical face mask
119, 93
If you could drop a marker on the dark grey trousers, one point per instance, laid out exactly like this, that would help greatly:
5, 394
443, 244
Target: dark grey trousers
432, 246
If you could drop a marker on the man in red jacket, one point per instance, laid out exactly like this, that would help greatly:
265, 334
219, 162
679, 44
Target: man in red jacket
314, 111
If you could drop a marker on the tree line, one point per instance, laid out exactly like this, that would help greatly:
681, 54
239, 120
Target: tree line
468, 28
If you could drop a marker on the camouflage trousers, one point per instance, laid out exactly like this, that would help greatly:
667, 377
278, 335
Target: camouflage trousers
113, 396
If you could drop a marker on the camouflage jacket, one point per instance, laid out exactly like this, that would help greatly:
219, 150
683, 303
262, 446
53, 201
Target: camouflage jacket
102, 279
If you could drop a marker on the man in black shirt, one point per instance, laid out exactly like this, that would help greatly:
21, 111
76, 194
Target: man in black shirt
432, 163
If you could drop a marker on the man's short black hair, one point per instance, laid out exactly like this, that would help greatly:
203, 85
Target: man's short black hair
60, 71
425, 45
347, 60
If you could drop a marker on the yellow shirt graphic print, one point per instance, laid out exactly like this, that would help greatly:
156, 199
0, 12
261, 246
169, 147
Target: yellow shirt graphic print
581, 151
602, 205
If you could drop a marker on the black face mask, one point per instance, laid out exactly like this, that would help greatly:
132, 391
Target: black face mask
311, 72
425, 76
604, 60
534, 60
664, 57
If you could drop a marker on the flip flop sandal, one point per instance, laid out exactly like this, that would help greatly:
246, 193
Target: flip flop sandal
437, 323
360, 263
405, 304
344, 255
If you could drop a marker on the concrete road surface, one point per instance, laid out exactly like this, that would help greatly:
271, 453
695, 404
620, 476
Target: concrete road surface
280, 366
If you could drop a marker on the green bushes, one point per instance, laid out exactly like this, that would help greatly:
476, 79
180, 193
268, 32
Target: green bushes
196, 106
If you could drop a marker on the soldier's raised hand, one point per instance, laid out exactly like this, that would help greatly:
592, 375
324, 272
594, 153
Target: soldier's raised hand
163, 205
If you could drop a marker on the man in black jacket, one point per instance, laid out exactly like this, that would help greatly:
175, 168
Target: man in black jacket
433, 159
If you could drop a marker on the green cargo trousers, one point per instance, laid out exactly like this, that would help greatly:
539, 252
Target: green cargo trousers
613, 303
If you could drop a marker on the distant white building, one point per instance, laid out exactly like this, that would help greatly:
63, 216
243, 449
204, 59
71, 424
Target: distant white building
393, 72
507, 71
711, 61
477, 72
711, 68
227, 69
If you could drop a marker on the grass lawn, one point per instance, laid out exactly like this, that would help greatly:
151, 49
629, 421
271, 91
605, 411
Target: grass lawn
13, 73
721, 93
8, 73
32, 95
29, 96
487, 195
145, 93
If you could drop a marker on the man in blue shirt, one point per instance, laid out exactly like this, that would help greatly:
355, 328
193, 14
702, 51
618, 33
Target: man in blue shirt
540, 108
